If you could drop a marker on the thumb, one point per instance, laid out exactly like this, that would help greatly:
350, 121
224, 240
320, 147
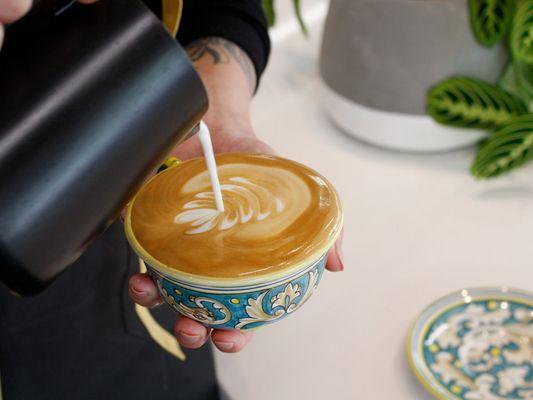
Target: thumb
250, 145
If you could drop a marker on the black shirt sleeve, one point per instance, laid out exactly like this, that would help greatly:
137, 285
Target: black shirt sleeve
239, 21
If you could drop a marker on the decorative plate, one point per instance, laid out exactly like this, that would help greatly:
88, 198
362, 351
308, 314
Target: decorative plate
475, 344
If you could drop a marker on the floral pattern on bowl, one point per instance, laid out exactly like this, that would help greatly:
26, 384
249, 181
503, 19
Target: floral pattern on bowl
242, 307
476, 344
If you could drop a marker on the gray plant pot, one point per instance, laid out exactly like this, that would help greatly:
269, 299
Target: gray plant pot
379, 58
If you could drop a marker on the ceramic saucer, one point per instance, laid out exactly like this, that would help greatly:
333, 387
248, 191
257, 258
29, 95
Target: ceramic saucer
475, 344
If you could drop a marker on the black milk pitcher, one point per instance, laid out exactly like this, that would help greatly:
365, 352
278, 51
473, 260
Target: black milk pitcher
92, 97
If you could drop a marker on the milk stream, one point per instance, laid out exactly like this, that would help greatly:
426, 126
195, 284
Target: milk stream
209, 155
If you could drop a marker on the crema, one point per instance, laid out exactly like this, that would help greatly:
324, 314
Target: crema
277, 213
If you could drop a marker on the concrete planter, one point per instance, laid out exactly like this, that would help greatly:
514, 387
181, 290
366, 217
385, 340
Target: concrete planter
378, 59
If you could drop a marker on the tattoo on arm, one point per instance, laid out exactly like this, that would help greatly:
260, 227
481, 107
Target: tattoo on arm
222, 51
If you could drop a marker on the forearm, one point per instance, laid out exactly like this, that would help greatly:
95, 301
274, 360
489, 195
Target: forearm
229, 77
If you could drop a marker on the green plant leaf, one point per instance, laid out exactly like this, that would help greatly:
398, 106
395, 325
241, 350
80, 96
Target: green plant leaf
298, 12
518, 80
490, 19
510, 147
472, 103
270, 12
522, 33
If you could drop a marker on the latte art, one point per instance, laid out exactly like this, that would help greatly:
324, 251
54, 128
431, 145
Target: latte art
243, 202
277, 213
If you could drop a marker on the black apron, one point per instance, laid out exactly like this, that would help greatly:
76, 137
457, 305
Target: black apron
81, 338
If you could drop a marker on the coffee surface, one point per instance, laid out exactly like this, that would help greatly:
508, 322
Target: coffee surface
277, 213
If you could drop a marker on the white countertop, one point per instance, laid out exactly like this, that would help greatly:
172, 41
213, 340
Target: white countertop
416, 227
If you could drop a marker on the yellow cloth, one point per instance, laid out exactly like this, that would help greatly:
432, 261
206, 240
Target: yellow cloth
171, 19
161, 336
172, 15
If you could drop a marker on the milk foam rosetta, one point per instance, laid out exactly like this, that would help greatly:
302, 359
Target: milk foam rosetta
277, 213
245, 202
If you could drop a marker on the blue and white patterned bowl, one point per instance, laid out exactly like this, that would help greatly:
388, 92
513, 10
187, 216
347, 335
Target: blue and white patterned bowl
224, 303
475, 344
242, 302
241, 307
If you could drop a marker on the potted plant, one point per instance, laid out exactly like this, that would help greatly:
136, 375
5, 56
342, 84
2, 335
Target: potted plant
380, 57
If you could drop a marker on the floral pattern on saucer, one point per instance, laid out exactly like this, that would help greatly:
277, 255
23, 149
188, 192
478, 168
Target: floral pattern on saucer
480, 348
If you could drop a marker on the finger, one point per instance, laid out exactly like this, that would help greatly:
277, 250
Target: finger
230, 341
143, 291
11, 10
249, 145
189, 333
335, 261
1, 35
190, 148
261, 147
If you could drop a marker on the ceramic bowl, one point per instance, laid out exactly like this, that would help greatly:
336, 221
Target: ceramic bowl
236, 303
239, 307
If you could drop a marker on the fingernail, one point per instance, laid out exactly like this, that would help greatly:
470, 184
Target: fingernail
188, 340
225, 346
137, 292
135, 281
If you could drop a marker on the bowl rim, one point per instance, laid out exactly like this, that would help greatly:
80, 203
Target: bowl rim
215, 288
224, 282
